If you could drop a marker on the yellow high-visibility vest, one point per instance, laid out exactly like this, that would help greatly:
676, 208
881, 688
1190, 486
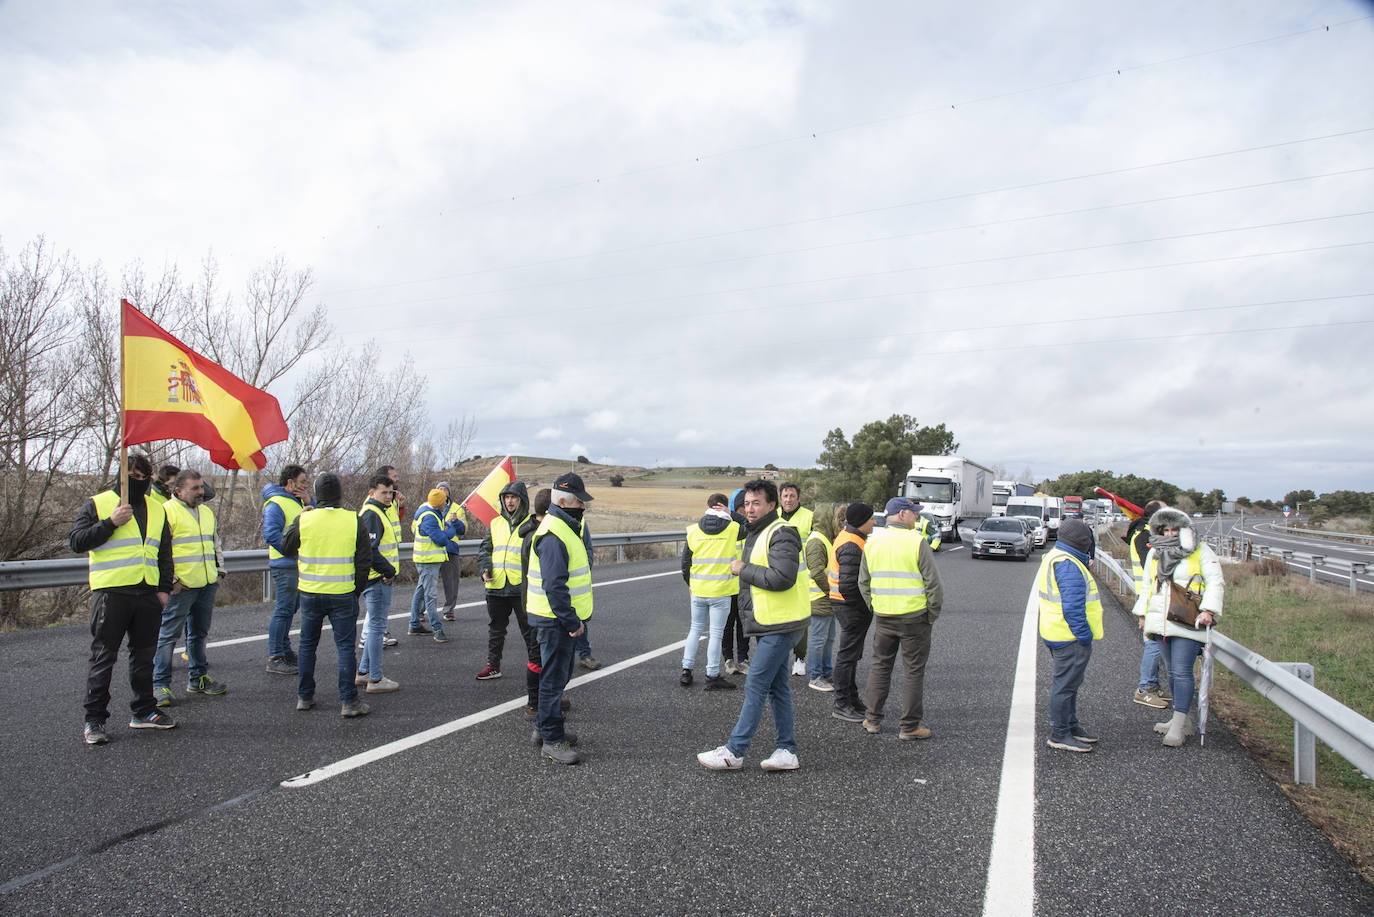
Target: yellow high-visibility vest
709, 573
427, 550
329, 537
579, 571
127, 558
193, 544
801, 520
895, 580
792, 603
290, 509
387, 545
812, 590
1053, 627
505, 553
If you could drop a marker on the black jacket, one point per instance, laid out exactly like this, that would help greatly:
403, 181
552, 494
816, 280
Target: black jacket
784, 562
362, 551
90, 532
848, 557
375, 529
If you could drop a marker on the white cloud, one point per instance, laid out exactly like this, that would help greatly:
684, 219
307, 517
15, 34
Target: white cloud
604, 419
549, 433
577, 449
687, 435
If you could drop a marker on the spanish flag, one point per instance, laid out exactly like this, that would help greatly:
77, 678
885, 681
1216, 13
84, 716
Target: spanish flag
172, 392
484, 502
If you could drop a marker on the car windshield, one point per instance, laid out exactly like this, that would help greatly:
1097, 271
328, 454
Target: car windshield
1021, 509
999, 498
1054, 512
1001, 525
930, 491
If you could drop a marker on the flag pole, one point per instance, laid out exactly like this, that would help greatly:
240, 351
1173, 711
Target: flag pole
123, 449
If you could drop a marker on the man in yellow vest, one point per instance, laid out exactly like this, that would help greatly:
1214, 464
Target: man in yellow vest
792, 512
130, 550
559, 603
450, 571
376, 597
161, 489
1070, 620
898, 579
712, 542
498, 562
333, 554
774, 608
852, 612
192, 601
281, 504
1151, 690
435, 541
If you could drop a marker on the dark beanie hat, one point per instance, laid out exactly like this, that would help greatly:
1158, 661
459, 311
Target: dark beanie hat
328, 489
857, 514
1076, 534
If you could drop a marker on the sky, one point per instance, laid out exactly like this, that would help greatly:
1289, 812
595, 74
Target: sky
1135, 237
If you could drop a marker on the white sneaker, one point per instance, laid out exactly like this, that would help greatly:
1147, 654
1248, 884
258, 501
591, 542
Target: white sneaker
730, 667
385, 686
720, 759
799, 667
820, 684
780, 760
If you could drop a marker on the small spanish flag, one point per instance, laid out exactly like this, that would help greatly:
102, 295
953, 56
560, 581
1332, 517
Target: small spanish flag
484, 501
172, 392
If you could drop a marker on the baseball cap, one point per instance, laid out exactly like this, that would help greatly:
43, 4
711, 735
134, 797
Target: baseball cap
572, 484
897, 504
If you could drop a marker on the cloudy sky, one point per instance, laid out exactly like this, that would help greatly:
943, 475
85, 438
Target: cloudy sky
1137, 237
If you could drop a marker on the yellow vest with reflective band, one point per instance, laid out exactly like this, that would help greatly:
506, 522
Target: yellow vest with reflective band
1194, 560
1137, 565
930, 533
290, 509
812, 590
710, 574
792, 603
427, 550
1053, 627
801, 520
193, 544
329, 537
127, 559
579, 571
832, 575
895, 580
387, 544
505, 552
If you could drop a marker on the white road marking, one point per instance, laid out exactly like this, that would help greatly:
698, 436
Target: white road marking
1011, 868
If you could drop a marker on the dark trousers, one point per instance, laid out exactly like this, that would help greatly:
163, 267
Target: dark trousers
733, 643
556, 657
342, 612
852, 621
448, 575
499, 611
113, 616
912, 638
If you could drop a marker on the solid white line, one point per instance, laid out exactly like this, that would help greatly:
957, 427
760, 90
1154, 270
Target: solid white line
321, 774
1011, 868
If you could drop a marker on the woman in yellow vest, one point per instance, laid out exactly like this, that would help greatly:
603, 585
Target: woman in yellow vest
1177, 556
1070, 620
712, 542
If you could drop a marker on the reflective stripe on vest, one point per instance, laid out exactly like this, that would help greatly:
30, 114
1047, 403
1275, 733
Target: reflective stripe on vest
709, 573
290, 509
427, 550
791, 604
895, 580
579, 571
329, 538
832, 575
505, 553
387, 544
193, 544
1053, 627
812, 590
127, 558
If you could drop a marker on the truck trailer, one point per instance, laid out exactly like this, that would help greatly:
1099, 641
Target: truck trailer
951, 489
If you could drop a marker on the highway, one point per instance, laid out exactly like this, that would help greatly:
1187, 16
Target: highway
436, 803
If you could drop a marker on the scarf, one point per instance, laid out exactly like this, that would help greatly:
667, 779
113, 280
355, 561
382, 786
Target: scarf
1168, 552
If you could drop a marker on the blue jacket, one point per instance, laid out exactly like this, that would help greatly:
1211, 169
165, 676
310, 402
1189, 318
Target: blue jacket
446, 535
274, 523
553, 567
1073, 592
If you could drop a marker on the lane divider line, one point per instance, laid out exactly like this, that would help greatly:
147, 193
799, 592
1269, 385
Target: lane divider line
1010, 888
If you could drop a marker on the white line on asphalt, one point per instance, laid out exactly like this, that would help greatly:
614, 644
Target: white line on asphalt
320, 774
1011, 868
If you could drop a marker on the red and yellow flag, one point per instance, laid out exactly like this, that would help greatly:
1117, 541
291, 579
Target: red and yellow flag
172, 392
484, 502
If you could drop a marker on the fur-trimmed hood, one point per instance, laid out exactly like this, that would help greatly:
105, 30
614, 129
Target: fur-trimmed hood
1167, 517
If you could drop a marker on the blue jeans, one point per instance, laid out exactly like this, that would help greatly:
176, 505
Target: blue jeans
426, 598
1150, 658
1070, 664
288, 600
556, 658
715, 608
767, 680
1183, 652
377, 600
342, 612
582, 645
818, 646
189, 609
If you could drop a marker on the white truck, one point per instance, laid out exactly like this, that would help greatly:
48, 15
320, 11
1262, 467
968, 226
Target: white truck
951, 489
1001, 492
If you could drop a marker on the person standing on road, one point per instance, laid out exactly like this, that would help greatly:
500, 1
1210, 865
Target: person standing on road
435, 541
1151, 691
450, 571
129, 549
1070, 613
281, 504
1177, 556
560, 602
386, 562
191, 603
792, 512
712, 543
534, 666
851, 610
498, 561
820, 552
333, 554
898, 579
734, 645
775, 608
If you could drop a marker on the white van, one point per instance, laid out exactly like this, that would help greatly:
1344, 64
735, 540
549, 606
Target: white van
1035, 507
1054, 511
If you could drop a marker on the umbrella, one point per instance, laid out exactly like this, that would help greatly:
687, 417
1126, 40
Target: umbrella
1204, 689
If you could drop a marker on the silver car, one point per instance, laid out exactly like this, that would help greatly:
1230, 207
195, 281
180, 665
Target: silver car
999, 536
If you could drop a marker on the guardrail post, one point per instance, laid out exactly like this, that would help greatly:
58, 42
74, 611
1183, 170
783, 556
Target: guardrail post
1314, 561
620, 554
1304, 742
1286, 555
268, 593
1264, 550
1357, 568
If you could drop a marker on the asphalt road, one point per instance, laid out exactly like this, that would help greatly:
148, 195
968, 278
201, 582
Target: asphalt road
195, 820
1267, 532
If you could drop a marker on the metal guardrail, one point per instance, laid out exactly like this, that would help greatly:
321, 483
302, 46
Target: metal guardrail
1353, 536
72, 571
1314, 713
1313, 564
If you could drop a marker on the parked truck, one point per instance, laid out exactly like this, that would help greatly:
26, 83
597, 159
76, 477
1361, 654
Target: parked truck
951, 489
1001, 492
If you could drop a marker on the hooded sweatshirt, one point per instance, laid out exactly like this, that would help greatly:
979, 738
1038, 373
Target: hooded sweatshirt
818, 556
484, 564
713, 523
274, 523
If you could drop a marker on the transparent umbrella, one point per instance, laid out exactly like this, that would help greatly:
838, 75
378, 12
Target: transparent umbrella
1204, 689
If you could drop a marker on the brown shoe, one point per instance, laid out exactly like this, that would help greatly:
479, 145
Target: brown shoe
920, 732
